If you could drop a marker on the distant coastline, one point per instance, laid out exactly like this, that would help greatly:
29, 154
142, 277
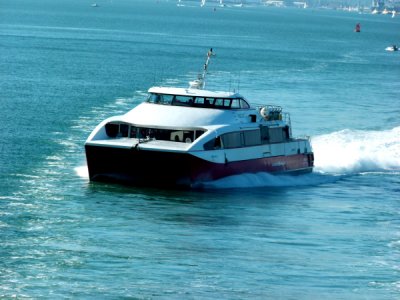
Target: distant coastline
364, 6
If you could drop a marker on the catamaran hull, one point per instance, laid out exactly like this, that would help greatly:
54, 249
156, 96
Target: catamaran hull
172, 169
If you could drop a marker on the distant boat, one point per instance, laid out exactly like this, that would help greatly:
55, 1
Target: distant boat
95, 5
357, 28
392, 48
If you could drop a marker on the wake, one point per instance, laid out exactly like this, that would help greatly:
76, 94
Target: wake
356, 151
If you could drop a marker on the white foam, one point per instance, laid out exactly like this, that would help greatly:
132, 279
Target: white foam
259, 180
82, 171
355, 151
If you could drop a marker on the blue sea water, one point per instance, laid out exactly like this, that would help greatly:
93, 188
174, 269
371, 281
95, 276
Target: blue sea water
333, 234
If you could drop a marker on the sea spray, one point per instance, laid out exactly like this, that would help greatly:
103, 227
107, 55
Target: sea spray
82, 171
261, 179
355, 151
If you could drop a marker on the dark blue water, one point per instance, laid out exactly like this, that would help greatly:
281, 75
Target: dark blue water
65, 66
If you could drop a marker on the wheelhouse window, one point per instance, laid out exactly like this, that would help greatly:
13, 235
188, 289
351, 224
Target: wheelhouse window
182, 100
244, 104
160, 99
205, 102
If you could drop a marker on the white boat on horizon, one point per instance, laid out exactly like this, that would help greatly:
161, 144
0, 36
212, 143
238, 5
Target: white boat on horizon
184, 137
392, 48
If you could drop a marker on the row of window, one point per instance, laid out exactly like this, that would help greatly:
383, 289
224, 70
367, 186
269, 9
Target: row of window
229, 140
249, 138
206, 102
115, 130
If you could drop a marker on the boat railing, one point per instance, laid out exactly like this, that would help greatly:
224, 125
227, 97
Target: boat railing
272, 112
304, 137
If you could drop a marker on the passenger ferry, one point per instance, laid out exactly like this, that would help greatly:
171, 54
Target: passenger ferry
184, 137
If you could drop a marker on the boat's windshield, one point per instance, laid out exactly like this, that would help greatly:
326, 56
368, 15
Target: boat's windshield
198, 101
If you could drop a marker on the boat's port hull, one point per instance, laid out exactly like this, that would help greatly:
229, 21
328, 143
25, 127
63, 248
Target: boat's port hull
180, 169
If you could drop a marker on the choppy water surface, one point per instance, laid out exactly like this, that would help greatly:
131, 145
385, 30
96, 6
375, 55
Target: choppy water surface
335, 233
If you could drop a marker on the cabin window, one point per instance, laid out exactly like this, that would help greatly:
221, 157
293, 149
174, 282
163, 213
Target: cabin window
183, 136
264, 130
232, 140
124, 129
117, 130
133, 132
238, 139
209, 145
251, 138
112, 130
276, 135
286, 132
213, 144
198, 133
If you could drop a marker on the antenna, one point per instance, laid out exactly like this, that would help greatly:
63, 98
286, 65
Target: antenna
238, 87
200, 82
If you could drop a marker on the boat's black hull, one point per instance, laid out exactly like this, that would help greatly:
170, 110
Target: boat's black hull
171, 169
